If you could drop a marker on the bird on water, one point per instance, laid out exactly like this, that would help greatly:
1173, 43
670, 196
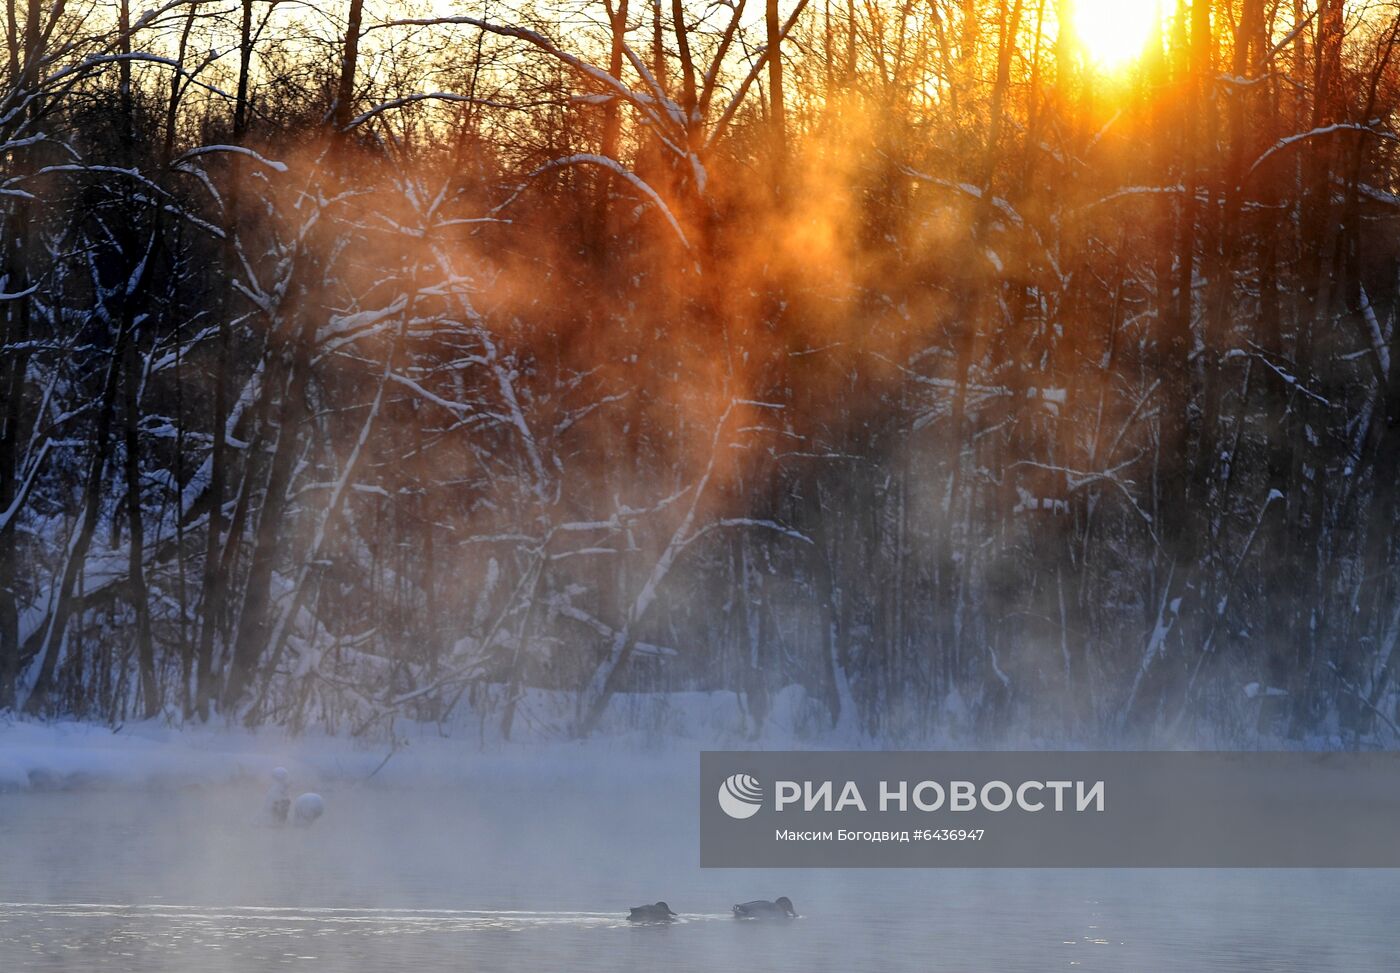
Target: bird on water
763, 909
656, 912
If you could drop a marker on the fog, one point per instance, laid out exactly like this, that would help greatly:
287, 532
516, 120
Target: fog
458, 360
568, 374
535, 867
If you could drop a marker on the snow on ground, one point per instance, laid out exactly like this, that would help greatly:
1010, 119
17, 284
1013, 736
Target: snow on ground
655, 731
64, 754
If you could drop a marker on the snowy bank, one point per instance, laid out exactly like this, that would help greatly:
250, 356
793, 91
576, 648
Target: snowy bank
653, 731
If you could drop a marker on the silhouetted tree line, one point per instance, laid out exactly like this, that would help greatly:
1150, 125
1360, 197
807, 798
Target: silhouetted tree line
369, 362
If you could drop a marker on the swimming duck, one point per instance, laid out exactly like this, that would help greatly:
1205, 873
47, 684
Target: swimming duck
763, 909
660, 912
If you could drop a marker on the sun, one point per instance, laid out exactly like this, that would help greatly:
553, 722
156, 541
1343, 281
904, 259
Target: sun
1114, 32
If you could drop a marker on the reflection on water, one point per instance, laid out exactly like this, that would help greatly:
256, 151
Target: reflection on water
86, 935
537, 873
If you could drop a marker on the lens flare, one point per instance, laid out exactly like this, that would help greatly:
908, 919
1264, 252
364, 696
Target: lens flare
1114, 32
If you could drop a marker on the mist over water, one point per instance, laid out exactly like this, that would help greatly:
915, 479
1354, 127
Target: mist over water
865, 374
537, 872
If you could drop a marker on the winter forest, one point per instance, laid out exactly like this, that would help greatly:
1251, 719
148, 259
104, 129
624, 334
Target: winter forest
969, 364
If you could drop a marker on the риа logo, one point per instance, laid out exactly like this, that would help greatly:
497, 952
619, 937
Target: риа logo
740, 796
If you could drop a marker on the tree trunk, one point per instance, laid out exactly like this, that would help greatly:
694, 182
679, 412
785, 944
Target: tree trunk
345, 90
64, 598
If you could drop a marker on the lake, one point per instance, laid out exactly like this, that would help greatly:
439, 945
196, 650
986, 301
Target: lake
535, 872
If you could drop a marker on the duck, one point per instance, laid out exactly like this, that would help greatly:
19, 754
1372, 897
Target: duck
763, 909
658, 912
306, 809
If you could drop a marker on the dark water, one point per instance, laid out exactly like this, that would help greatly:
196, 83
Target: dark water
536, 873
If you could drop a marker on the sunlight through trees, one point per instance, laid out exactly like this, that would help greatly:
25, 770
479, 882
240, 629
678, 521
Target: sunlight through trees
370, 360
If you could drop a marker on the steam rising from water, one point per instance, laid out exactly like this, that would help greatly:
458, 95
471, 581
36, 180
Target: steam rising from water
534, 866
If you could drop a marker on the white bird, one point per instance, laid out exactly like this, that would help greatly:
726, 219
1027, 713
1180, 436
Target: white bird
279, 800
307, 808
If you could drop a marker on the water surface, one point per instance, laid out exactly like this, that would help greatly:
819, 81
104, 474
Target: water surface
537, 872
